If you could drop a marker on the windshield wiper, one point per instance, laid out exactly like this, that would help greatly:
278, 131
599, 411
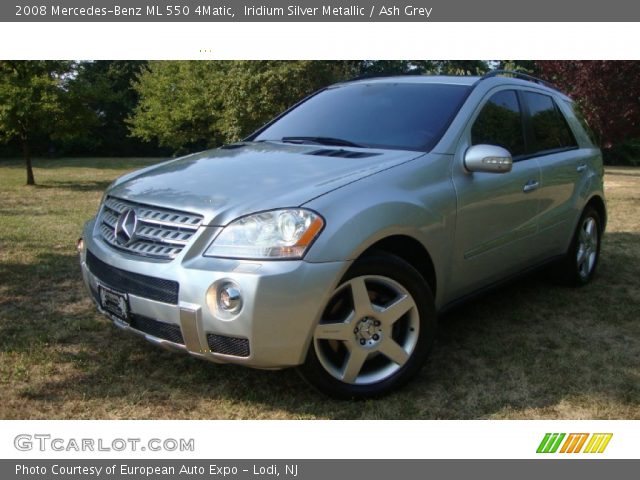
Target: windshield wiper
323, 141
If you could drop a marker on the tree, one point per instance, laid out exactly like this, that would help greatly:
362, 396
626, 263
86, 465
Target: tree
254, 92
193, 105
607, 91
179, 103
106, 87
523, 66
34, 100
459, 67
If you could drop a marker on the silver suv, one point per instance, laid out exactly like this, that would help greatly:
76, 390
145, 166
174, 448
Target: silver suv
331, 238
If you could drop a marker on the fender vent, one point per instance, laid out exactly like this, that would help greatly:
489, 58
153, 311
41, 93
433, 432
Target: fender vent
232, 146
332, 152
238, 347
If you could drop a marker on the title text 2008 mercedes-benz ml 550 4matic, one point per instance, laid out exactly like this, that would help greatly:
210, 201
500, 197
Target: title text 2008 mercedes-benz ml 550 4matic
330, 238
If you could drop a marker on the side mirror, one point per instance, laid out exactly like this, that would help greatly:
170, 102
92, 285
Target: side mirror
487, 158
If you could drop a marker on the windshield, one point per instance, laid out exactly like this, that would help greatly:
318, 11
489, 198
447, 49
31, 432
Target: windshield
407, 116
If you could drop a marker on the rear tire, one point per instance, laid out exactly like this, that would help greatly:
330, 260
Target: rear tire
579, 265
376, 330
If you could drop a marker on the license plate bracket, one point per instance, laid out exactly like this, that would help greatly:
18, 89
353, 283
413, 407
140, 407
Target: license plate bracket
114, 303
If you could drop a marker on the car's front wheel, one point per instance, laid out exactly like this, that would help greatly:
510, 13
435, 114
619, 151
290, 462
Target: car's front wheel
375, 331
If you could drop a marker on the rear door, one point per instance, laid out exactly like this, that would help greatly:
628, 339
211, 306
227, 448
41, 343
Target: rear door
496, 220
562, 164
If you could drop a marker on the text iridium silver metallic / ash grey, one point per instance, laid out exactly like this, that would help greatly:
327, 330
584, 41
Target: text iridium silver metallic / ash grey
330, 238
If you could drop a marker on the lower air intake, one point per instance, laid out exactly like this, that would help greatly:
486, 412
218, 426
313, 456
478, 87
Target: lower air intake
238, 347
166, 331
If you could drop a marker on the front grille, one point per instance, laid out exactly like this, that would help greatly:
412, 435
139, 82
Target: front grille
153, 288
238, 347
166, 331
159, 232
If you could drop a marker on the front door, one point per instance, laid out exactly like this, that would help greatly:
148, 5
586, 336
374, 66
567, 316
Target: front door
496, 212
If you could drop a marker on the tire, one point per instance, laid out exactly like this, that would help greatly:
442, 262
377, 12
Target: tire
375, 332
579, 265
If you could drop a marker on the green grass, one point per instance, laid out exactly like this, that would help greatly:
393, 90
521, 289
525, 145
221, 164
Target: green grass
533, 350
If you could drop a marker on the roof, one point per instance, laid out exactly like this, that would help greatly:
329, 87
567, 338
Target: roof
447, 79
468, 80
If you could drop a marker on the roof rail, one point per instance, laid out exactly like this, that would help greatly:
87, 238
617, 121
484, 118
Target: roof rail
373, 75
523, 76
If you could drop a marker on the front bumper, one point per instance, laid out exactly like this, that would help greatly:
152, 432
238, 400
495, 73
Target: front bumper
282, 301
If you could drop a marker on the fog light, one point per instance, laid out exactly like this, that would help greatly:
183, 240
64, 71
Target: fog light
229, 298
80, 245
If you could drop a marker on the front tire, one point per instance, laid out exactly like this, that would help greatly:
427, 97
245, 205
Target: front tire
375, 331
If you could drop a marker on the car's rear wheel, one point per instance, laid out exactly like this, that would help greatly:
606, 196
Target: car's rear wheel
375, 331
579, 265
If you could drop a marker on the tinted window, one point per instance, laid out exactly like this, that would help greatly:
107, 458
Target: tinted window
500, 123
385, 115
550, 129
577, 111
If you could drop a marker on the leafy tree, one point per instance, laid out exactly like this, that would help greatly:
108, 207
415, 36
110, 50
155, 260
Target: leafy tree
460, 67
524, 66
190, 105
179, 103
106, 86
607, 91
367, 68
35, 101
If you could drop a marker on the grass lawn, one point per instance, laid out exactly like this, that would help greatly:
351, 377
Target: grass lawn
534, 350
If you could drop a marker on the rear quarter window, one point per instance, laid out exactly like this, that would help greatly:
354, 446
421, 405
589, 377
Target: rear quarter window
582, 120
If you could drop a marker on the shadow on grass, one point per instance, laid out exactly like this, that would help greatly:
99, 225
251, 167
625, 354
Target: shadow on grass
101, 163
77, 186
623, 173
529, 345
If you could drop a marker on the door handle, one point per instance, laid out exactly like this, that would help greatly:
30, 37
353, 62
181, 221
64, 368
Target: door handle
530, 186
581, 168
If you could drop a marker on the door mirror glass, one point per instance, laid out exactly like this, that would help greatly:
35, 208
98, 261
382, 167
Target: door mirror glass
488, 158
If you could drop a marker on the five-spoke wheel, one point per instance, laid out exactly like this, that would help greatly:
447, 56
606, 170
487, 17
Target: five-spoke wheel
375, 330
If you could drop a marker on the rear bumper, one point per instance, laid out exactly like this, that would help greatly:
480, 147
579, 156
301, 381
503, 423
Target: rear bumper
282, 301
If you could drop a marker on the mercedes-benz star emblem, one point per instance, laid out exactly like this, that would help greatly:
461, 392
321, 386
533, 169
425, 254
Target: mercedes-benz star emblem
125, 229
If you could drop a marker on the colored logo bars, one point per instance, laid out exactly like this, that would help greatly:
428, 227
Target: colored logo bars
597, 442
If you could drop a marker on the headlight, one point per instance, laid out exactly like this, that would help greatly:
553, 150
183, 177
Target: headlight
285, 234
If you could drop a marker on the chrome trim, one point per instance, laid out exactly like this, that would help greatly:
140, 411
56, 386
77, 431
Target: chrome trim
189, 319
530, 186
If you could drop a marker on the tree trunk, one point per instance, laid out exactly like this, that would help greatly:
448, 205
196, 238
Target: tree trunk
26, 153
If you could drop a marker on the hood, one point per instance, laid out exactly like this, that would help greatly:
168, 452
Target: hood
226, 183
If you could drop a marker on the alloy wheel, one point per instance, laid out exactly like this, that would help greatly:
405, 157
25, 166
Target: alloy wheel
368, 331
587, 250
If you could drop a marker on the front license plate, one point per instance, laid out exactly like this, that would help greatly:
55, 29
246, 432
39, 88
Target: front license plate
115, 303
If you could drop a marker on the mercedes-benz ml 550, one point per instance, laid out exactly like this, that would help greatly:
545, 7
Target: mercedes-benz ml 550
330, 239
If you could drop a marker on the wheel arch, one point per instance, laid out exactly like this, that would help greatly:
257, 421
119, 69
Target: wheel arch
410, 250
597, 202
